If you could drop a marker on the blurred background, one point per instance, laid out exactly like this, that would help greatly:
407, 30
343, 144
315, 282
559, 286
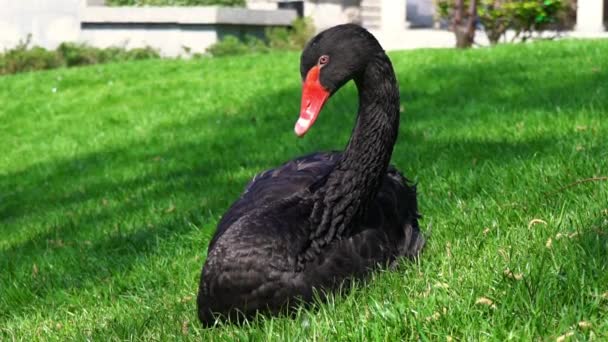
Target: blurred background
182, 27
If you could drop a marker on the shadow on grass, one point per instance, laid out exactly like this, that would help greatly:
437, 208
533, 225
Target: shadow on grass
506, 84
67, 201
66, 197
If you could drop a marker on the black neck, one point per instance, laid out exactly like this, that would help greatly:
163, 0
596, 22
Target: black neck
353, 184
370, 147
371, 144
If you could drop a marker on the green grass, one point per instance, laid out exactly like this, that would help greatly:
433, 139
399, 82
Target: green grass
111, 186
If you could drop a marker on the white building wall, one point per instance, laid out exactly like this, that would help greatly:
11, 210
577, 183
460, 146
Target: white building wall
324, 13
590, 16
171, 30
170, 41
262, 4
49, 22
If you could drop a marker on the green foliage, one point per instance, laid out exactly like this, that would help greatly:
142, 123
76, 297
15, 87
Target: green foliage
112, 185
232, 3
277, 38
523, 16
533, 16
293, 38
78, 54
22, 58
231, 46
495, 18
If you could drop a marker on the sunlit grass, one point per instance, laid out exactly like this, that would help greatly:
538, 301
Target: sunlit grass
111, 187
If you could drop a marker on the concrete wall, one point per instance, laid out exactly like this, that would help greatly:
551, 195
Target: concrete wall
49, 22
171, 30
324, 13
171, 40
175, 29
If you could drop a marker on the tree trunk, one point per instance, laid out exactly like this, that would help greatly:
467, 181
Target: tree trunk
494, 30
465, 32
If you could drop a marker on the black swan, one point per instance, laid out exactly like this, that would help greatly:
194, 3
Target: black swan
326, 218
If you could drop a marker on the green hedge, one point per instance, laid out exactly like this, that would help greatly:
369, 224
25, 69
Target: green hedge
277, 38
175, 2
24, 58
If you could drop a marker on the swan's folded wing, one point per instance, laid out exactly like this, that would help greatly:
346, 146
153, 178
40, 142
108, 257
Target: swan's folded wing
279, 183
293, 176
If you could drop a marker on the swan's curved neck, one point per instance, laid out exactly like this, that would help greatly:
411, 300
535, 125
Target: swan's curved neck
354, 182
370, 147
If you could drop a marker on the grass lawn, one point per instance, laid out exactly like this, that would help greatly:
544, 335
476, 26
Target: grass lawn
113, 177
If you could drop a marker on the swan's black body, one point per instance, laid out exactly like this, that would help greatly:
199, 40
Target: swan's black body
322, 219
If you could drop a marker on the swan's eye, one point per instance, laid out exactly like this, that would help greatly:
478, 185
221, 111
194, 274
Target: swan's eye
323, 60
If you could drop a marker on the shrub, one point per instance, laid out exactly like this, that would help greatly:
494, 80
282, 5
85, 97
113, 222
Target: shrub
495, 19
279, 38
144, 53
22, 58
523, 16
240, 3
294, 38
533, 16
117, 54
231, 45
78, 54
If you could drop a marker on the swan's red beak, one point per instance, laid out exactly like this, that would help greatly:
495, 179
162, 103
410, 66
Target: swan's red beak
314, 96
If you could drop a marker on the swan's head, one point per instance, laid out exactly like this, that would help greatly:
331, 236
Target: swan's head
329, 60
